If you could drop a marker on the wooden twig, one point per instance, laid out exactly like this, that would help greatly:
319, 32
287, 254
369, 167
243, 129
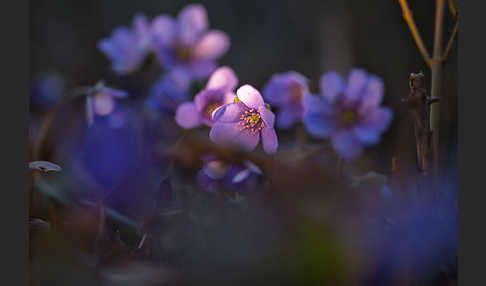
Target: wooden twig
340, 167
450, 43
407, 15
419, 104
436, 73
452, 8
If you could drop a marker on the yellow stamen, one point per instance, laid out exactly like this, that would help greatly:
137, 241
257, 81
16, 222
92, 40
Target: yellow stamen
183, 54
348, 117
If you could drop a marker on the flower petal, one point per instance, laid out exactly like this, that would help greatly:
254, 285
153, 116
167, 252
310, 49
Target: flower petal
267, 116
250, 96
142, 30
215, 169
206, 97
356, 84
269, 140
103, 103
346, 144
230, 133
319, 124
187, 115
366, 136
164, 30
192, 22
206, 182
240, 176
275, 92
211, 46
224, 132
373, 93
115, 92
120, 49
282, 88
331, 84
374, 124
222, 78
252, 167
229, 112
229, 97
201, 69
288, 116
247, 140
314, 103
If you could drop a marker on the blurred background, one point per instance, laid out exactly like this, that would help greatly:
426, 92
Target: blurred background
280, 239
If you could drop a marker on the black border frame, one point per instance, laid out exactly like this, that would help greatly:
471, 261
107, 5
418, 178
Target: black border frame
471, 47
15, 118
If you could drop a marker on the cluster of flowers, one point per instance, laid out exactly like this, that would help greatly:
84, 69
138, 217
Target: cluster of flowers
184, 47
348, 112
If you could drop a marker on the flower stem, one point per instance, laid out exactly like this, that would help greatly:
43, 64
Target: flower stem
101, 226
436, 72
340, 166
301, 136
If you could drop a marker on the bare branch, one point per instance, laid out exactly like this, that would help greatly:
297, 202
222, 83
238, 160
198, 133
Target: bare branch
452, 8
450, 43
407, 15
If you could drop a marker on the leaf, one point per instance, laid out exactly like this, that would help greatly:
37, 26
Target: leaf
44, 166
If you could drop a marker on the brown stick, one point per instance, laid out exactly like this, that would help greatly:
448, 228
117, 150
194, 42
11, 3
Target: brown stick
419, 104
340, 166
452, 8
450, 43
407, 15
436, 71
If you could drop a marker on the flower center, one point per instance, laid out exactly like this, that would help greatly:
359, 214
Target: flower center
348, 117
183, 53
211, 107
252, 121
296, 92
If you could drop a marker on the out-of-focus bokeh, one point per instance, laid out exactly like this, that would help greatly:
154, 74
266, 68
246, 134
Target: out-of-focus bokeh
126, 208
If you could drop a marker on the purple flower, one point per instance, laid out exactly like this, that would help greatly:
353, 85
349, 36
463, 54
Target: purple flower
217, 174
101, 101
218, 91
242, 122
169, 91
186, 43
128, 48
348, 112
285, 91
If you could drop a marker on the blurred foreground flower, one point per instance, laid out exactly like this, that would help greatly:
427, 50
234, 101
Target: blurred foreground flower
240, 123
218, 91
128, 48
187, 44
217, 174
348, 112
285, 91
